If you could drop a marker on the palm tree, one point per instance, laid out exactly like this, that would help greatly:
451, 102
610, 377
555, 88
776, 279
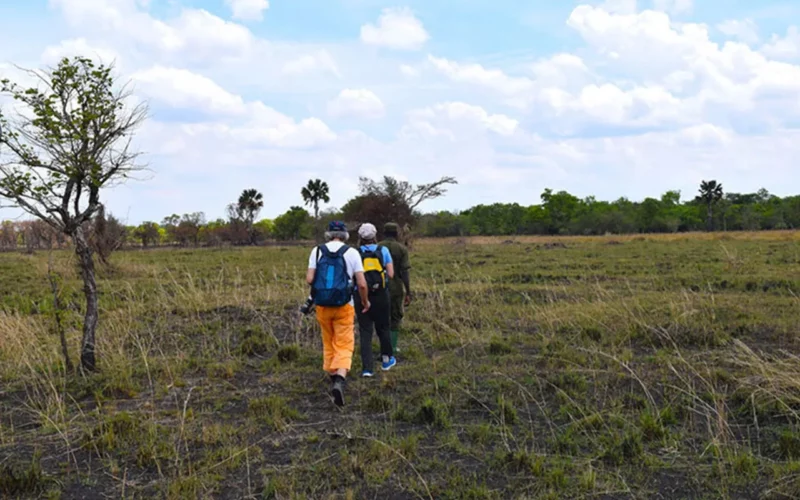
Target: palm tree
315, 192
710, 193
248, 207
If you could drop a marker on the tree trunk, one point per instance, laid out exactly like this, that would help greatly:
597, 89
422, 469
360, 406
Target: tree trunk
86, 262
710, 218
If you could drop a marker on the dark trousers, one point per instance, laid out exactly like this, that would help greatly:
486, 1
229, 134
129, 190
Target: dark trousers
376, 320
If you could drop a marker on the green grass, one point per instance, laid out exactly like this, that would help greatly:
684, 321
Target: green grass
596, 367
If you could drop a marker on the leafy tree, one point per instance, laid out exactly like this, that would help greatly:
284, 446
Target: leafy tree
292, 225
710, 194
264, 228
560, 208
170, 227
148, 234
73, 142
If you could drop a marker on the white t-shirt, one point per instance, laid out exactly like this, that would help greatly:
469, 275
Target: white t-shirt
351, 257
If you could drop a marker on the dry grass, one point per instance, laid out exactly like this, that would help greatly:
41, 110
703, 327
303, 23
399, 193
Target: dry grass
787, 235
660, 365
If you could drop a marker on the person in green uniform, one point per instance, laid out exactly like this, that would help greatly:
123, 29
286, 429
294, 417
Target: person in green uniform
400, 287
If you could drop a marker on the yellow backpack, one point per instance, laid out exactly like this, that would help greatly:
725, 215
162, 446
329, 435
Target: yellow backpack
374, 269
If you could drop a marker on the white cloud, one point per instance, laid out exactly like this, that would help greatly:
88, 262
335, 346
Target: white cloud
675, 7
409, 71
180, 88
646, 104
80, 47
256, 123
312, 63
744, 29
476, 74
620, 6
359, 103
398, 29
248, 10
450, 119
784, 48
194, 34
704, 135
710, 75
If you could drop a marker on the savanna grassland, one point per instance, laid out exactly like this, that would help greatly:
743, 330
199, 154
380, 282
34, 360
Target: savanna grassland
637, 367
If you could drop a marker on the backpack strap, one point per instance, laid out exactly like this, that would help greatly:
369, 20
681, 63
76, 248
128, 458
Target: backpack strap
377, 252
340, 253
324, 250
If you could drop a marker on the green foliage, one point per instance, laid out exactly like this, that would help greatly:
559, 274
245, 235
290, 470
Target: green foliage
562, 213
293, 225
274, 411
149, 233
265, 226
315, 192
77, 109
16, 481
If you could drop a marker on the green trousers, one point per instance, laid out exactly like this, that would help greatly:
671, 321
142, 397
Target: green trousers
397, 313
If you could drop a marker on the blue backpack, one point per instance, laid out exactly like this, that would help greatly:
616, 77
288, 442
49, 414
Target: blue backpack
332, 287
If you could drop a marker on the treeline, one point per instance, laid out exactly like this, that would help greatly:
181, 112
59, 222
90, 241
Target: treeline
559, 213
562, 213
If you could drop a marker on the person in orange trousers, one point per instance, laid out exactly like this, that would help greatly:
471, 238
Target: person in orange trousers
332, 269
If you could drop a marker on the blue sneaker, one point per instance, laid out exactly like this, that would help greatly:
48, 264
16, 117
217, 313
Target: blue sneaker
366, 374
388, 363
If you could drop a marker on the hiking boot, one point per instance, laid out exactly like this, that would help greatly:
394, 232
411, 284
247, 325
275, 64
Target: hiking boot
388, 363
367, 374
338, 391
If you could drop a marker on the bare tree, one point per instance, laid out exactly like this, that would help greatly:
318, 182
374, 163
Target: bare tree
244, 213
413, 196
107, 234
8, 235
73, 142
391, 200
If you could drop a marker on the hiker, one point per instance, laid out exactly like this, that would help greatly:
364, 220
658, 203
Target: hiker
332, 269
378, 273
399, 289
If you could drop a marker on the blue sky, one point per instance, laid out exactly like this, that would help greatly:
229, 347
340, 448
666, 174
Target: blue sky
608, 98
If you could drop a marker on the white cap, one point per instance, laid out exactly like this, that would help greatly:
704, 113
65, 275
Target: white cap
367, 231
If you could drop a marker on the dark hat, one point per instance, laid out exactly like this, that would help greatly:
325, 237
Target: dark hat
390, 227
337, 226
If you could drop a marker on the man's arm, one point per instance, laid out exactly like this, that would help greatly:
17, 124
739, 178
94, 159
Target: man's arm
312, 266
405, 275
363, 291
387, 260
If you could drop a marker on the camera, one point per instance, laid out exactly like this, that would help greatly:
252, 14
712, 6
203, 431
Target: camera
308, 306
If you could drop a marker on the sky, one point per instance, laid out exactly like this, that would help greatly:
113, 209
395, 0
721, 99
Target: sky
604, 98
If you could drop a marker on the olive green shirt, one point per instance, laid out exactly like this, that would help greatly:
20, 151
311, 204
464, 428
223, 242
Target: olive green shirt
401, 264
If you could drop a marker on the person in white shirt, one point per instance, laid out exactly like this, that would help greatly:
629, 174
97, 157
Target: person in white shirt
332, 269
